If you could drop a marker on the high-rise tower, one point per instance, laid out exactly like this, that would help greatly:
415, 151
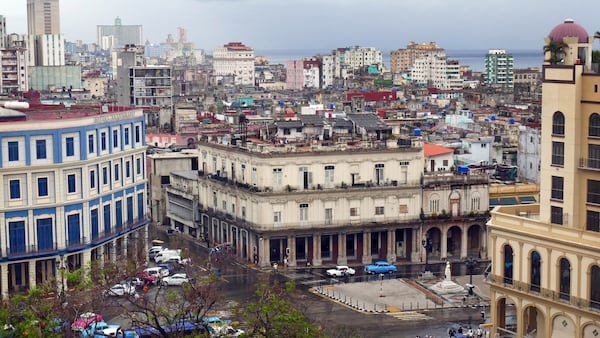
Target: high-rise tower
43, 17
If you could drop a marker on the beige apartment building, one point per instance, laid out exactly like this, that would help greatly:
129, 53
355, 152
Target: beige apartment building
545, 278
328, 203
403, 59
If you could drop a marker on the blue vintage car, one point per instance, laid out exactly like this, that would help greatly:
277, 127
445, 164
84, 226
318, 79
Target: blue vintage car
380, 267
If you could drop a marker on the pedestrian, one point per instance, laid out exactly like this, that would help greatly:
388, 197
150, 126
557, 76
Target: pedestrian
308, 266
145, 288
275, 267
285, 262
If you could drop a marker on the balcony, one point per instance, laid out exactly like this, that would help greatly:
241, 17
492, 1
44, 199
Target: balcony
589, 164
27, 250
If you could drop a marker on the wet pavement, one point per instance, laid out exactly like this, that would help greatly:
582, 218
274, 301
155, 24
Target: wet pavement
360, 306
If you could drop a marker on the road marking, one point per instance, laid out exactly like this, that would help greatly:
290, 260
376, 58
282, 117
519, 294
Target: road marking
407, 315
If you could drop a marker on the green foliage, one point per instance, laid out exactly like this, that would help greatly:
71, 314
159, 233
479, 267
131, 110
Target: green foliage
275, 313
596, 56
556, 50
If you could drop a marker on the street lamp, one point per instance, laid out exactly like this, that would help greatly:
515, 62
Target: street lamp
427, 246
471, 263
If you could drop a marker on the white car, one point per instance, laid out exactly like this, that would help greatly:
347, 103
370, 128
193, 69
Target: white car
176, 279
120, 290
340, 271
157, 271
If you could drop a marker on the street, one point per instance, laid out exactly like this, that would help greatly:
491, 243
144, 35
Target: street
337, 319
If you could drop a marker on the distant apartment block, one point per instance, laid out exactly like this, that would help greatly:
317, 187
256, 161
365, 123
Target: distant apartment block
2, 31
437, 71
403, 59
303, 74
499, 68
234, 60
118, 35
13, 74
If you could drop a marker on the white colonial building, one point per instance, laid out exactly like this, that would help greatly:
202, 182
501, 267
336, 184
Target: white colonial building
237, 60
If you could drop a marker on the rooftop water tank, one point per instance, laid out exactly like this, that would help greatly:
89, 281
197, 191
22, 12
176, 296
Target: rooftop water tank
417, 132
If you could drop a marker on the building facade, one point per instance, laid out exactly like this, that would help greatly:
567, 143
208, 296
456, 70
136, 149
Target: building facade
403, 59
545, 278
75, 191
236, 60
13, 74
43, 17
499, 68
327, 204
119, 35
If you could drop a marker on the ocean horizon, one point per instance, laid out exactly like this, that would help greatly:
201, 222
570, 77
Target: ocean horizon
475, 58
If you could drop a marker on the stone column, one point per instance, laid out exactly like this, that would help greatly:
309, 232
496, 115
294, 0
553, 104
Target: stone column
263, 252
112, 251
391, 246
4, 280
444, 245
417, 253
366, 258
85, 263
291, 242
464, 253
484, 240
342, 259
32, 272
317, 261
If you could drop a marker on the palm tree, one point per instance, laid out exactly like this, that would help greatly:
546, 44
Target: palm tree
556, 49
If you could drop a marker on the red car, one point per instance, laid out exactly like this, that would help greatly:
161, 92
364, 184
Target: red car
147, 278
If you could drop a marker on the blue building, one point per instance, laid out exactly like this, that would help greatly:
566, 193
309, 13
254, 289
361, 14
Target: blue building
75, 191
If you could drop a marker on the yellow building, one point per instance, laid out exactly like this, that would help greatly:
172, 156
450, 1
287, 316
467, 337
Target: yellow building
545, 279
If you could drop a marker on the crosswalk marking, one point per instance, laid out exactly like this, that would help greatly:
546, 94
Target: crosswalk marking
409, 315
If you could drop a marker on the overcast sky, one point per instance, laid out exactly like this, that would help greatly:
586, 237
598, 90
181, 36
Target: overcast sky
325, 24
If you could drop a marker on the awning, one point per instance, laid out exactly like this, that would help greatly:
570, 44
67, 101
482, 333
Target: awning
157, 241
527, 199
494, 202
508, 201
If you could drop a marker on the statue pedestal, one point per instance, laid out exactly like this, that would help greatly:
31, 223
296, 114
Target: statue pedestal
427, 275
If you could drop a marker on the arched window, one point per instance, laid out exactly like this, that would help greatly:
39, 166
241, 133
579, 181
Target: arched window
558, 123
594, 129
565, 279
535, 272
595, 288
508, 265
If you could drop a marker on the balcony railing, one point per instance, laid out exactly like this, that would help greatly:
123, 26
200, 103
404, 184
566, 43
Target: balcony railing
589, 163
29, 249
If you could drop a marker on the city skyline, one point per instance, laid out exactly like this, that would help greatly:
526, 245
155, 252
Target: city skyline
462, 24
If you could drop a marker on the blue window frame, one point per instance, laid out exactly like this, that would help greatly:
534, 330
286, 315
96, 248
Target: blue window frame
107, 219
127, 169
138, 166
140, 202
92, 179
137, 134
119, 214
13, 151
126, 136
40, 149
44, 234
94, 221
71, 186
115, 138
42, 186
16, 235
129, 210
15, 189
91, 143
73, 229
104, 175
103, 140
70, 146
117, 172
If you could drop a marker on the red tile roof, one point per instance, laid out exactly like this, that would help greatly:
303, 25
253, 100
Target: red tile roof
435, 150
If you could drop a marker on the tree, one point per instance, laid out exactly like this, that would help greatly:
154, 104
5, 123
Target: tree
556, 50
275, 313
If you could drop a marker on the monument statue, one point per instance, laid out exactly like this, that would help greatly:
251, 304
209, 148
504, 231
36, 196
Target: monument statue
447, 286
448, 272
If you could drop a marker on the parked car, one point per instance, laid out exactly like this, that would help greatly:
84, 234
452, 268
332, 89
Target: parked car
167, 266
380, 267
154, 250
164, 255
176, 279
340, 271
135, 281
84, 320
147, 278
120, 290
157, 271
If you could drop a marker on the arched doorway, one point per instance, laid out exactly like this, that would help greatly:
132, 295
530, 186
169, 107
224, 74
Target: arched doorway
435, 238
506, 317
453, 242
474, 246
533, 321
